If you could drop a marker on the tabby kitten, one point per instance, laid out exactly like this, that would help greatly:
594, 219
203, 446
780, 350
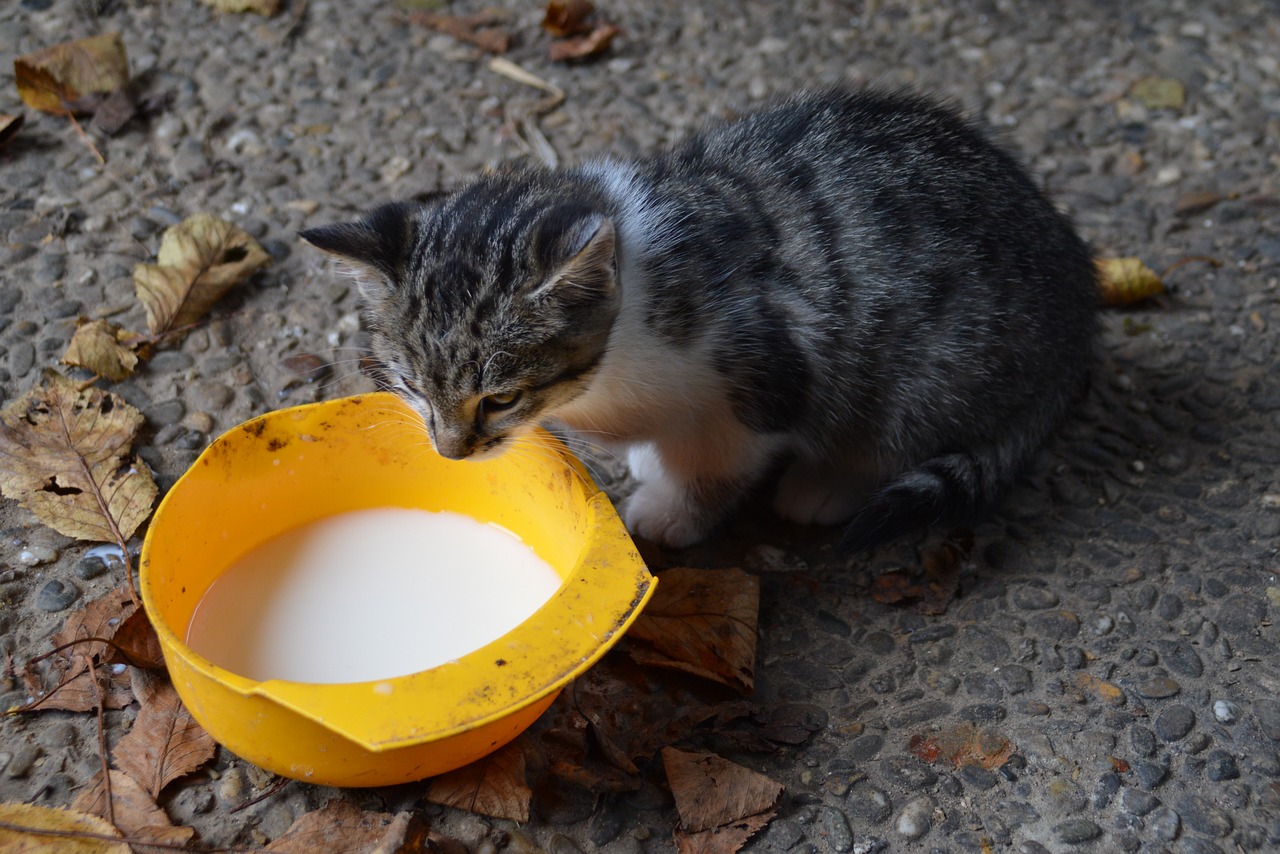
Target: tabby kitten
858, 285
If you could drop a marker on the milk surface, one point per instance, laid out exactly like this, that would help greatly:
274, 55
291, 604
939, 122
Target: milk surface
371, 594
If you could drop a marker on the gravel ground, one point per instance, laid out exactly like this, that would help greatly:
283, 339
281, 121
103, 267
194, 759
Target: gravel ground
1116, 620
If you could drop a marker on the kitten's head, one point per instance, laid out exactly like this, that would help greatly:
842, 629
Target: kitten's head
487, 309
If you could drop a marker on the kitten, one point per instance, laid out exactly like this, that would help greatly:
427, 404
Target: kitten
858, 285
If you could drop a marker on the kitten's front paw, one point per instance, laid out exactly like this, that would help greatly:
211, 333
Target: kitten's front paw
807, 496
656, 512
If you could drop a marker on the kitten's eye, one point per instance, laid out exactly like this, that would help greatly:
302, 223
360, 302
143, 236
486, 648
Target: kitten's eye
501, 400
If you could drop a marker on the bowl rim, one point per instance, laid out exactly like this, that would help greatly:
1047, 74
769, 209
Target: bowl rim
603, 593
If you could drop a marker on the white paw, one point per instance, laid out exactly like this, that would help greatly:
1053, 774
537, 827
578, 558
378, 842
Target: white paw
645, 464
656, 512
807, 497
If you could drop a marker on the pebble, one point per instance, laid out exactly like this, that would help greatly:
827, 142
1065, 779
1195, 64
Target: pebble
1033, 598
1159, 688
165, 413
1203, 817
605, 825
1268, 714
561, 844
22, 357
1165, 823
869, 805
782, 834
909, 772
1220, 765
1032, 847
56, 595
1175, 722
36, 555
915, 820
171, 361
209, 395
1226, 711
22, 761
834, 828
1077, 831
90, 567
977, 776
1057, 625
1180, 657
1138, 802
1148, 774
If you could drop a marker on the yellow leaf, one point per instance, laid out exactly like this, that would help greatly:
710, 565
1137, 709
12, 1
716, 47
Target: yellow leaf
101, 346
52, 79
1122, 281
64, 455
261, 7
29, 829
1160, 93
200, 259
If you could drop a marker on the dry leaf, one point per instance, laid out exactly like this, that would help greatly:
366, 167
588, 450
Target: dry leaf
1122, 281
582, 47
475, 29
200, 259
64, 828
266, 8
9, 127
1160, 93
720, 803
101, 618
702, 621
136, 644
929, 589
76, 693
563, 19
104, 348
493, 786
65, 453
962, 744
53, 79
165, 742
340, 827
136, 813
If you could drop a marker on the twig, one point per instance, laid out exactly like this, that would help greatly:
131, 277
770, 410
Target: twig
1212, 262
99, 700
119, 840
277, 785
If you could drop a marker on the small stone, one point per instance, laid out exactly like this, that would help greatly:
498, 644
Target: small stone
1034, 598
909, 772
36, 555
977, 776
1165, 823
1226, 711
56, 595
22, 357
1268, 715
1108, 785
1138, 802
605, 825
22, 760
1149, 775
1159, 688
869, 805
231, 786
165, 413
1220, 765
1057, 625
1077, 831
1180, 657
1032, 847
1203, 817
307, 366
783, 834
209, 395
561, 844
200, 422
90, 567
834, 828
1175, 722
915, 820
170, 360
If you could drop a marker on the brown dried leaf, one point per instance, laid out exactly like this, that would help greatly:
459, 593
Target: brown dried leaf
104, 348
136, 644
727, 839
1123, 281
712, 792
928, 589
101, 618
567, 17
165, 742
266, 8
473, 29
582, 47
65, 458
702, 621
200, 259
51, 80
9, 127
136, 813
64, 829
343, 828
962, 744
493, 786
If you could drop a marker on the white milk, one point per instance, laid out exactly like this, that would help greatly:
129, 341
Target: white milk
369, 595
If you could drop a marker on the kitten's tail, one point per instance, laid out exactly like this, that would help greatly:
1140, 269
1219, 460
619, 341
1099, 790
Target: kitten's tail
952, 488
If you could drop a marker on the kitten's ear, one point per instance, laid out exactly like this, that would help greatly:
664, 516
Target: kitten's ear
591, 272
378, 243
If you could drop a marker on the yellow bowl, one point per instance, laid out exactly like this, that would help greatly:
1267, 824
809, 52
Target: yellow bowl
295, 466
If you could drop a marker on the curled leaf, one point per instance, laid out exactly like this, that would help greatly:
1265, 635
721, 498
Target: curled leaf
581, 47
474, 29
200, 259
721, 804
65, 457
1123, 281
9, 127
54, 79
702, 621
104, 348
493, 786
565, 18
31, 829
342, 826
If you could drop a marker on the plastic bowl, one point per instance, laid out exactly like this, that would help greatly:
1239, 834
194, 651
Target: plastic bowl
294, 466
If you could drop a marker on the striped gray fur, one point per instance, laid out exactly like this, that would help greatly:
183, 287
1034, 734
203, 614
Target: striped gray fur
858, 285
